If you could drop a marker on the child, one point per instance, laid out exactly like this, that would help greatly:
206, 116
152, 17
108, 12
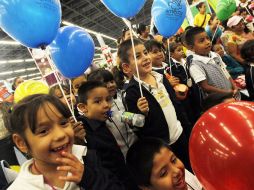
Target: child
121, 131
41, 129
207, 69
212, 27
155, 167
95, 103
234, 68
79, 131
143, 32
247, 53
201, 19
159, 103
76, 82
157, 56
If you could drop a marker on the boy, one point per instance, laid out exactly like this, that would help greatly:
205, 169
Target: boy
159, 103
95, 103
207, 69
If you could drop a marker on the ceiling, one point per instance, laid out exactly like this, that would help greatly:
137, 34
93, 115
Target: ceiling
92, 15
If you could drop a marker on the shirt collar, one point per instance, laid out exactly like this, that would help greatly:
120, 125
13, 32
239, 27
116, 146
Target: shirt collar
205, 59
158, 77
164, 65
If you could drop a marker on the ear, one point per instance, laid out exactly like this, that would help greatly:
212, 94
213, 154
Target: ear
20, 143
126, 67
82, 107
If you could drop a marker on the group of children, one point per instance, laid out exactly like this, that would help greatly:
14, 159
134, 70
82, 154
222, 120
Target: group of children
103, 152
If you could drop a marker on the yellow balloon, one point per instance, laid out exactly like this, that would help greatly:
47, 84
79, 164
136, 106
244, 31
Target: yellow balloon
28, 88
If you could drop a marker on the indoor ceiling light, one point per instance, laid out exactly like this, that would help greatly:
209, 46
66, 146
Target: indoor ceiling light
9, 42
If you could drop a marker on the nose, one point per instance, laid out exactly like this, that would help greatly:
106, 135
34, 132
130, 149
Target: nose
106, 104
59, 133
176, 172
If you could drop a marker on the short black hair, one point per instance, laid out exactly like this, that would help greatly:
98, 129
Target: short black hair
87, 87
191, 33
198, 6
123, 49
150, 44
141, 28
173, 46
247, 51
25, 112
101, 74
140, 157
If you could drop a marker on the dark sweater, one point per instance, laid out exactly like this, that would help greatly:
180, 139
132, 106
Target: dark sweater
99, 138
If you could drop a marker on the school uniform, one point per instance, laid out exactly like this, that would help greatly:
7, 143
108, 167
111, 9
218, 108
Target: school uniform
100, 139
164, 116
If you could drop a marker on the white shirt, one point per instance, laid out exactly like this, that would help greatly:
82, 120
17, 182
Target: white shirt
192, 181
161, 95
26, 180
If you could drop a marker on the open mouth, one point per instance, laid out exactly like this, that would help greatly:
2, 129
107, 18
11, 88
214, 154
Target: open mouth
181, 184
147, 64
61, 148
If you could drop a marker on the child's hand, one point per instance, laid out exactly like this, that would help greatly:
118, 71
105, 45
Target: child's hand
143, 105
70, 163
79, 131
173, 81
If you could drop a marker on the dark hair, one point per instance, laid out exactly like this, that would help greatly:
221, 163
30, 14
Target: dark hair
141, 28
123, 49
87, 87
214, 99
125, 29
25, 112
14, 83
53, 89
140, 157
173, 46
191, 33
150, 44
211, 18
118, 77
247, 51
102, 75
198, 6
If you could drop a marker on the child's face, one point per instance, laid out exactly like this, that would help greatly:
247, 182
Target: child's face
111, 86
127, 35
70, 97
98, 104
202, 44
157, 56
202, 9
178, 54
53, 135
218, 49
168, 172
76, 83
143, 60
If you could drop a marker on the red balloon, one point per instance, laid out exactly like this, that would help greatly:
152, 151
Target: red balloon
222, 147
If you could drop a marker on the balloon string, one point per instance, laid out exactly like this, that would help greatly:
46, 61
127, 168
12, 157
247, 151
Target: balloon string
135, 60
169, 60
51, 63
217, 27
72, 105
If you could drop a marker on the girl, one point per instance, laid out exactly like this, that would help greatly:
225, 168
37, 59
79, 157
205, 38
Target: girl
17, 81
124, 136
41, 129
155, 167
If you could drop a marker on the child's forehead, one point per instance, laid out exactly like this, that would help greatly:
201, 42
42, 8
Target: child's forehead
48, 111
98, 91
200, 35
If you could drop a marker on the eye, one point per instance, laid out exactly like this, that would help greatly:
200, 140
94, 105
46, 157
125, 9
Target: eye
145, 52
163, 172
174, 159
42, 131
97, 101
64, 122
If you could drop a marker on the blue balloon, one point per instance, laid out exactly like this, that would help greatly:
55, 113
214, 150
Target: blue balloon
168, 15
72, 51
124, 8
33, 23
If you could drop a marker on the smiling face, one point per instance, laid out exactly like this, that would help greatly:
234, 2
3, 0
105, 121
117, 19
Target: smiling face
143, 61
178, 53
53, 134
70, 97
202, 44
157, 56
168, 172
